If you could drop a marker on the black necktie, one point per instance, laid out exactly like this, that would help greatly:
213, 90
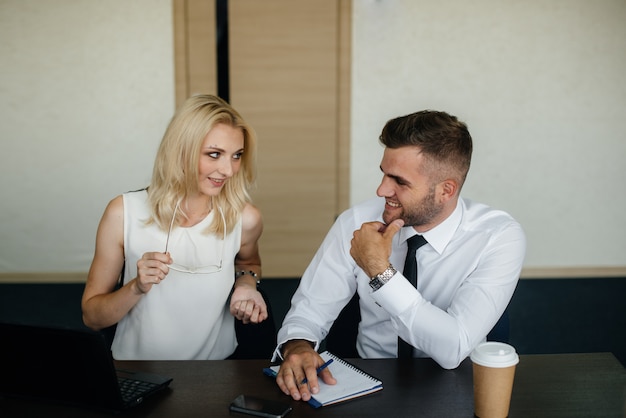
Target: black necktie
405, 350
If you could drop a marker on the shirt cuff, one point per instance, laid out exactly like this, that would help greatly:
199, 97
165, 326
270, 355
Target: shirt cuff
396, 296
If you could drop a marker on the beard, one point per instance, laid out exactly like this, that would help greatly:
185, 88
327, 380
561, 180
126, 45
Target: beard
420, 213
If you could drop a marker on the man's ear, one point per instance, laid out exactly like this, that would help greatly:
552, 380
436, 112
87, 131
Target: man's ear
447, 190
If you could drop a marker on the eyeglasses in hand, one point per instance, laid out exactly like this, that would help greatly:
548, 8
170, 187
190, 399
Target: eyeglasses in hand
211, 268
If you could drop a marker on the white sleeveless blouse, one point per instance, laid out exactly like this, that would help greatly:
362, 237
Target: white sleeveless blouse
186, 316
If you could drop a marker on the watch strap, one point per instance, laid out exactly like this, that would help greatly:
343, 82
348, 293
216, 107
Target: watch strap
380, 279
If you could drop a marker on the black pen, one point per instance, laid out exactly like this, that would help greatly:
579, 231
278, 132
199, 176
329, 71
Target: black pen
319, 369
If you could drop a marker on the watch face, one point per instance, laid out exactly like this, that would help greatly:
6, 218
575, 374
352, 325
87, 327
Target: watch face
375, 283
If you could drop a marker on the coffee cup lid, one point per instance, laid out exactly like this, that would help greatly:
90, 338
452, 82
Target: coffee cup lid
494, 354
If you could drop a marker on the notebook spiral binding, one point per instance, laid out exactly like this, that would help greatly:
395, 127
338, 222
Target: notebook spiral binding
351, 366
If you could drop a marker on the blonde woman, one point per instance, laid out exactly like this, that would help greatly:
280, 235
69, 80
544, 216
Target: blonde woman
183, 244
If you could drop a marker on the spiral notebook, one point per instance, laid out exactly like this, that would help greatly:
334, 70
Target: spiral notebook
352, 382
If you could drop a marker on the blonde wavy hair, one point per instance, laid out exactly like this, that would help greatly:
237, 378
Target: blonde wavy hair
175, 173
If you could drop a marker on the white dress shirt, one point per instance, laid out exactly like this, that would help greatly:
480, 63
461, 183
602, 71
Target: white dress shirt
467, 273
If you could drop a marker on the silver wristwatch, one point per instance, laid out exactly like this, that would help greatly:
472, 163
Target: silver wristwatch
380, 279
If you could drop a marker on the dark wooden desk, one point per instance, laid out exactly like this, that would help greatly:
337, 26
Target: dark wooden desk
558, 385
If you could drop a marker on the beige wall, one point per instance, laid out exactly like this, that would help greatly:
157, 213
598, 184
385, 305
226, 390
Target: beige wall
86, 91
541, 84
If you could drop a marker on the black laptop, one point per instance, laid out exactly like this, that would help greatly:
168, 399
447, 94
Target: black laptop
69, 366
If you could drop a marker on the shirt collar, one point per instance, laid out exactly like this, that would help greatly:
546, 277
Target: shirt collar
439, 236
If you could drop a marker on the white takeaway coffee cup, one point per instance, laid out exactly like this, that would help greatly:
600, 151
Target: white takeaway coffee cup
494, 366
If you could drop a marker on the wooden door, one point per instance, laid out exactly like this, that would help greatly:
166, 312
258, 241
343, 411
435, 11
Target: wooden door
289, 77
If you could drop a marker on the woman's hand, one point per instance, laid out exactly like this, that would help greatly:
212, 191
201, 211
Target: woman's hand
152, 268
247, 304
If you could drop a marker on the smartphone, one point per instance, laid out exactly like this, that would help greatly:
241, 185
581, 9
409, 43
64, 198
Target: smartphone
259, 407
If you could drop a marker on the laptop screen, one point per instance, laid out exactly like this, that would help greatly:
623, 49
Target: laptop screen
61, 365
